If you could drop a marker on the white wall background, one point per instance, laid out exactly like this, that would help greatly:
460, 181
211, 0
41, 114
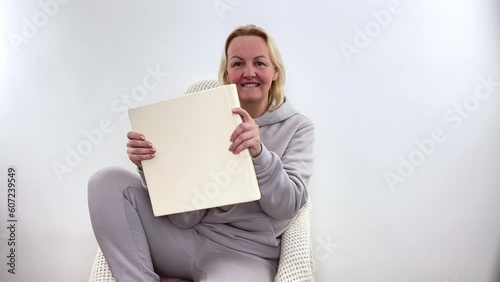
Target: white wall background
68, 66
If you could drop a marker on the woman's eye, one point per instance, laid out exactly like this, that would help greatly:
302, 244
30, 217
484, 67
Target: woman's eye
237, 64
260, 64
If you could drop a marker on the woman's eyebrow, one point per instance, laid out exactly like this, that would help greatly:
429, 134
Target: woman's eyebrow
260, 57
256, 58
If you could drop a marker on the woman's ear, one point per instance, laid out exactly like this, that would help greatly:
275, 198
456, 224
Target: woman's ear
276, 73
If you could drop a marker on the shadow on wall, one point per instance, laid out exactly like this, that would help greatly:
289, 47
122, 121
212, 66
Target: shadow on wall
496, 272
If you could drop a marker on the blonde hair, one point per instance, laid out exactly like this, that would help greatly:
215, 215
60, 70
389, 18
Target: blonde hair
277, 90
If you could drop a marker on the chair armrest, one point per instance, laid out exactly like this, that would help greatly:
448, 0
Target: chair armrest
296, 261
100, 270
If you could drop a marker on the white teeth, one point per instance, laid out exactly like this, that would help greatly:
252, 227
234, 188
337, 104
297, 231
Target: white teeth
250, 85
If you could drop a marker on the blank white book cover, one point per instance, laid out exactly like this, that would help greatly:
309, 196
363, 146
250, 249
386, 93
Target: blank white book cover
193, 168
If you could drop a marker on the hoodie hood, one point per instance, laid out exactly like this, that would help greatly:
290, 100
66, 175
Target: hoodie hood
283, 112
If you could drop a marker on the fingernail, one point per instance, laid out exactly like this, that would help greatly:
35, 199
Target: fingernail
142, 137
149, 144
153, 149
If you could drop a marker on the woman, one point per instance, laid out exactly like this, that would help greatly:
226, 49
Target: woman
231, 243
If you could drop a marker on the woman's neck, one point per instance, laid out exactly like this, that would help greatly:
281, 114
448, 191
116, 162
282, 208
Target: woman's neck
255, 110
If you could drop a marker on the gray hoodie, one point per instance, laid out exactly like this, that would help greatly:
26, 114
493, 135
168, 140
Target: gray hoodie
283, 169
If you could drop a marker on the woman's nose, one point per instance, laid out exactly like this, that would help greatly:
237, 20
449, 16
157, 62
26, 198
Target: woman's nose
249, 71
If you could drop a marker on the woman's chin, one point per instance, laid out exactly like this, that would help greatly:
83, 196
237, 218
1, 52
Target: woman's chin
250, 96
250, 100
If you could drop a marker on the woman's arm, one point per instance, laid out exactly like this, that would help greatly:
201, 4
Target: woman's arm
283, 182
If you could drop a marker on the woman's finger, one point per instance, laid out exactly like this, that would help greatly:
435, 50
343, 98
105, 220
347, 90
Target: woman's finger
139, 144
140, 151
251, 143
241, 128
242, 139
245, 116
133, 135
140, 158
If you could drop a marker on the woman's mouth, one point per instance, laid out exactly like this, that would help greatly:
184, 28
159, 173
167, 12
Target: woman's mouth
250, 84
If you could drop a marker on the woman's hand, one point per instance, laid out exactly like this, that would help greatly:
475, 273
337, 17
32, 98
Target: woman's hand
139, 149
246, 135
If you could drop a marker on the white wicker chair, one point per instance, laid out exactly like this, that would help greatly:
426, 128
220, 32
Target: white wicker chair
296, 261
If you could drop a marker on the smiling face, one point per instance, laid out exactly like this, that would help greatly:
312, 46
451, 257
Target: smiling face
249, 66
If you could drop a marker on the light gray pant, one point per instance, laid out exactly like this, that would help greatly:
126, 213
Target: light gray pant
139, 246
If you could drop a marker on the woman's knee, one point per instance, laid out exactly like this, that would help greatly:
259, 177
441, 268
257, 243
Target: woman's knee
112, 178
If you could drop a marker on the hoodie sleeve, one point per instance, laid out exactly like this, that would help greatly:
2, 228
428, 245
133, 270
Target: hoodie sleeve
283, 182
